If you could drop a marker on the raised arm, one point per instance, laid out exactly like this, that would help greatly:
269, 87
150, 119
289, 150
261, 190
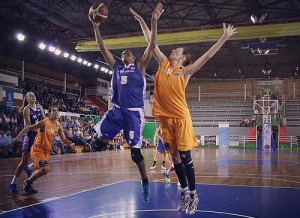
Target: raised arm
194, 67
158, 55
151, 45
28, 128
109, 58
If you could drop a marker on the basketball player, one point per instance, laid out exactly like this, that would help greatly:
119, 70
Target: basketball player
160, 149
32, 114
171, 109
128, 89
49, 128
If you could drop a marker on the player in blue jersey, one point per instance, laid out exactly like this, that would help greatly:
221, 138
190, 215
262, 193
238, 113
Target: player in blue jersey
160, 149
32, 114
128, 86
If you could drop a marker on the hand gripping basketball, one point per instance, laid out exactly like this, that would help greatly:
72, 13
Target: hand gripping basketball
98, 12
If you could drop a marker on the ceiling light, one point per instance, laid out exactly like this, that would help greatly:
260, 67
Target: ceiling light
96, 66
66, 55
73, 57
42, 46
79, 60
84, 62
51, 48
89, 64
20, 37
57, 52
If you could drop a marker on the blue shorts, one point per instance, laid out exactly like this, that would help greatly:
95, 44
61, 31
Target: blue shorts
160, 146
130, 120
27, 142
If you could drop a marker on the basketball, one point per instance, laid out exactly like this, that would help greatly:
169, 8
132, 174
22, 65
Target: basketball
98, 12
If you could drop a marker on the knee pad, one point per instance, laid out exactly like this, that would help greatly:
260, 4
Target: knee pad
185, 157
136, 155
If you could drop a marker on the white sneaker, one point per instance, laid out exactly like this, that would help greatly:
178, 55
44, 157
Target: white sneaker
184, 200
153, 167
192, 205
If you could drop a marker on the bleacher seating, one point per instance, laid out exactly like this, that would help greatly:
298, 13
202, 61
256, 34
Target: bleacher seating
209, 114
293, 113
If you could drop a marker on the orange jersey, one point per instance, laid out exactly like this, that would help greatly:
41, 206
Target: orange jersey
169, 92
46, 135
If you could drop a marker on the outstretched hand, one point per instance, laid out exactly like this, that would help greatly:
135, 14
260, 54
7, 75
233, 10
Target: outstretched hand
228, 31
136, 15
158, 11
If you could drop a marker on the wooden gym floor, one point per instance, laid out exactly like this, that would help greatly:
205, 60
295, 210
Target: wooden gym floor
230, 183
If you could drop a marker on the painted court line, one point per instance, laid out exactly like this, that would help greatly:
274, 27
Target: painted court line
56, 198
170, 210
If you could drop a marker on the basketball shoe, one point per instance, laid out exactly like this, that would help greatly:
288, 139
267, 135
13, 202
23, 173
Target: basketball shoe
184, 200
13, 188
192, 205
146, 192
27, 187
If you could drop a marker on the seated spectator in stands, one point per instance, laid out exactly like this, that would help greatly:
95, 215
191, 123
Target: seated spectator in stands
242, 123
8, 141
87, 137
247, 121
3, 144
70, 135
58, 143
15, 132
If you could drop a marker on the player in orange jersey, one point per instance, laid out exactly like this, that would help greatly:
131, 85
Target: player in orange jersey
40, 151
170, 107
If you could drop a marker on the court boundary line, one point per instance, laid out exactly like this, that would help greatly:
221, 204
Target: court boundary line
57, 198
171, 210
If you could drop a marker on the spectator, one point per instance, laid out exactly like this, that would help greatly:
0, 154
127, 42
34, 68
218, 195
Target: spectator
3, 144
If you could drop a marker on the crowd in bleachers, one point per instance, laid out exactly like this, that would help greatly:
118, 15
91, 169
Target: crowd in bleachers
11, 121
79, 130
10, 126
51, 95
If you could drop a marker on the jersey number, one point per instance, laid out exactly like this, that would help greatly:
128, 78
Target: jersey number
123, 79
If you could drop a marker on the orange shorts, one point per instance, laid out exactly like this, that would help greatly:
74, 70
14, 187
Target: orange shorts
40, 157
177, 134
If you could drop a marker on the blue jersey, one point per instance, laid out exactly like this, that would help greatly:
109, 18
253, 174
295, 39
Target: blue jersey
28, 139
128, 86
35, 117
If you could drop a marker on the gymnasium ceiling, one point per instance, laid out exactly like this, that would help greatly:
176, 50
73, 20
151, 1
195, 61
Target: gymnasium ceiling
194, 24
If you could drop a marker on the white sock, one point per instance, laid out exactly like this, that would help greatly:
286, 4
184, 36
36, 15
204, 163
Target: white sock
14, 180
185, 189
193, 192
30, 166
